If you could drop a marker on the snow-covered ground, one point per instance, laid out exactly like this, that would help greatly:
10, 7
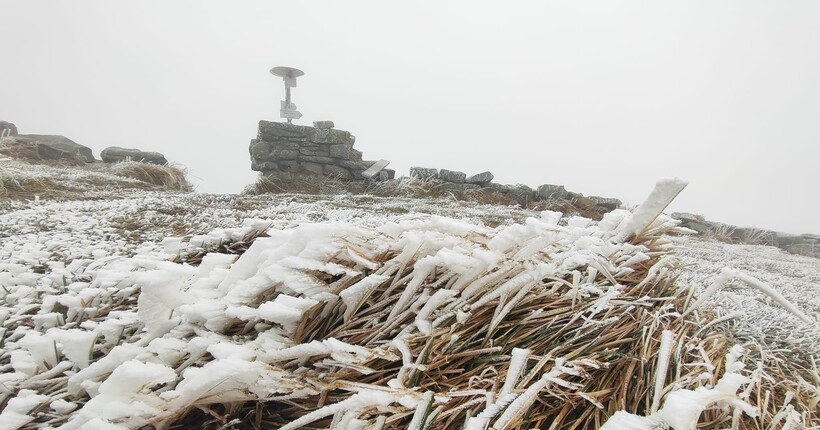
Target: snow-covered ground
67, 272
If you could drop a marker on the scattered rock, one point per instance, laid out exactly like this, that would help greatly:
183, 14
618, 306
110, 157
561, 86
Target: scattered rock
520, 193
325, 125
7, 129
115, 154
606, 202
425, 173
482, 178
549, 191
452, 176
53, 147
391, 174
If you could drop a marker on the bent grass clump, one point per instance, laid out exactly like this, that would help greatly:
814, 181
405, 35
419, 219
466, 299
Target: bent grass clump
427, 323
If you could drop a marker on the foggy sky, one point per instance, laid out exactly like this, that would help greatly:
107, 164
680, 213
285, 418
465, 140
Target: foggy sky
602, 97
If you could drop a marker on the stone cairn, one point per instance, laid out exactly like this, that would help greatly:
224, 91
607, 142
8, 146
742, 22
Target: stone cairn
288, 152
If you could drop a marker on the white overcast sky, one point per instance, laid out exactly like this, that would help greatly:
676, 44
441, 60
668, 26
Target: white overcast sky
603, 97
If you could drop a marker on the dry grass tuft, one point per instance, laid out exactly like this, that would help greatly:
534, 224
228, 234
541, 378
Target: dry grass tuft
29, 154
169, 177
586, 361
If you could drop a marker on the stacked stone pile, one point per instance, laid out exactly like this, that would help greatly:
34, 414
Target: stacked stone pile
454, 181
288, 151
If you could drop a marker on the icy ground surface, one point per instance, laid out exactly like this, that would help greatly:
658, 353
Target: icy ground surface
66, 255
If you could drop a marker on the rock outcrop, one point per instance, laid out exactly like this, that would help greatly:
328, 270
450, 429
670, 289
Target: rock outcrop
53, 147
7, 129
288, 151
115, 154
803, 244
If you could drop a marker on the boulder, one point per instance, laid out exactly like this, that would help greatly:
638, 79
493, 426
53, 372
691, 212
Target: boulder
549, 191
606, 202
423, 173
7, 129
391, 174
452, 176
482, 178
115, 154
520, 193
324, 124
53, 147
694, 222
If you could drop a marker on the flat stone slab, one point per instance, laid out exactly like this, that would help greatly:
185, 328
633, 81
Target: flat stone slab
374, 170
115, 154
324, 124
54, 147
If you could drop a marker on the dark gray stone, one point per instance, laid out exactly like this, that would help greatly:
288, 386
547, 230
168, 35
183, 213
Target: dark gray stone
452, 176
286, 145
54, 147
314, 150
262, 166
312, 167
382, 176
269, 130
391, 174
330, 136
319, 159
7, 129
355, 155
289, 166
324, 124
606, 202
115, 154
259, 150
549, 191
284, 154
520, 193
336, 171
480, 178
340, 151
425, 173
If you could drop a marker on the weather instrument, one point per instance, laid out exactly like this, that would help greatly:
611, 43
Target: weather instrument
288, 74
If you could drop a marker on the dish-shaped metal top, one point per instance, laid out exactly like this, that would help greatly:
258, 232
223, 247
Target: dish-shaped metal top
286, 72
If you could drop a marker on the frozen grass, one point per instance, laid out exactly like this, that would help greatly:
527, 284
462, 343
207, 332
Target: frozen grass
168, 177
22, 179
583, 313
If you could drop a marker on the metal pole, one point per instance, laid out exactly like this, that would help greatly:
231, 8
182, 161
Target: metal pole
287, 100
